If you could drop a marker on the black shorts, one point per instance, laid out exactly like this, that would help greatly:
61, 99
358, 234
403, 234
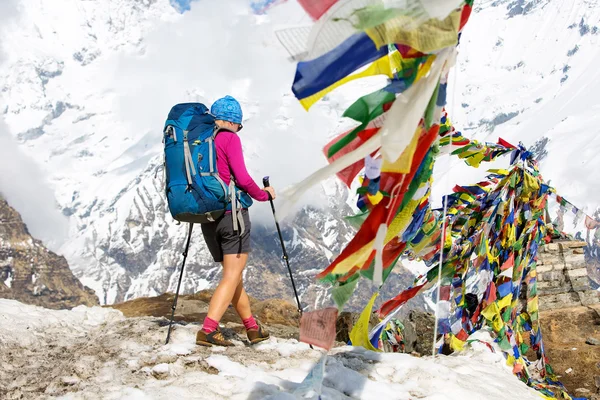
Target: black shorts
222, 239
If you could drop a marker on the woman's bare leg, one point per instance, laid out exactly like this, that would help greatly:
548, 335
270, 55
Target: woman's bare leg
241, 302
233, 266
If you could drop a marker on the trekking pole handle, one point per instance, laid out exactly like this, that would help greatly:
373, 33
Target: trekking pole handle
267, 184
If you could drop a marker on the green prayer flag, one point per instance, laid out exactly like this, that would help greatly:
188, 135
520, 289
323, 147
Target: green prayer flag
505, 344
374, 15
429, 111
357, 220
343, 292
363, 110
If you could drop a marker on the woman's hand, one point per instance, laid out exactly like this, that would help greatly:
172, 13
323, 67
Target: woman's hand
271, 192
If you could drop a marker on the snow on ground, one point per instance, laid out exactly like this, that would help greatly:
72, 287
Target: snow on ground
96, 353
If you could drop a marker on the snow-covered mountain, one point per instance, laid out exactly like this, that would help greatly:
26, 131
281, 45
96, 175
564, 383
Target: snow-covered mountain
528, 72
87, 85
67, 104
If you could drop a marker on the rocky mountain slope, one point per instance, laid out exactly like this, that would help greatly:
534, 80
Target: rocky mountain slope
32, 274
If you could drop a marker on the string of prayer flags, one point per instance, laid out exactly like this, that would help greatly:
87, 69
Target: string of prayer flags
488, 250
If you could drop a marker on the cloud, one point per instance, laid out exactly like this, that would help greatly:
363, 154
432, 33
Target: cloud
8, 10
220, 48
22, 181
23, 185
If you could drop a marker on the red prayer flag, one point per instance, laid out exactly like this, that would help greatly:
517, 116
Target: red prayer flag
508, 263
318, 327
316, 8
445, 293
504, 143
464, 17
348, 174
590, 223
397, 301
381, 212
491, 293
462, 335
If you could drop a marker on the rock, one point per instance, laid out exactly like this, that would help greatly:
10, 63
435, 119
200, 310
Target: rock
410, 337
568, 371
277, 312
38, 276
592, 341
343, 326
552, 247
597, 381
160, 371
582, 390
346, 321
423, 325
573, 244
193, 308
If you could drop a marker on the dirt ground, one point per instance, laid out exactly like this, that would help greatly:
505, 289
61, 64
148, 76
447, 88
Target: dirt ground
193, 308
565, 333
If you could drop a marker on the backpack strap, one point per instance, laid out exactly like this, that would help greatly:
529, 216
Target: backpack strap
173, 133
212, 168
238, 217
187, 155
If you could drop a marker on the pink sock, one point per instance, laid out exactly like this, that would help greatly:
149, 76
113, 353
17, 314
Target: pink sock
250, 323
209, 325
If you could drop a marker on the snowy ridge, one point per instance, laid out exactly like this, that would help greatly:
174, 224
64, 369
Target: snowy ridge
96, 352
532, 78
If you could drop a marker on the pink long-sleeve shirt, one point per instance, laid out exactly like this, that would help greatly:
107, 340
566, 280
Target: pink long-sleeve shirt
230, 161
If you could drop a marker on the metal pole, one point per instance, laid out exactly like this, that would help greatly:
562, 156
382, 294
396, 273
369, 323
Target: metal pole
285, 255
185, 253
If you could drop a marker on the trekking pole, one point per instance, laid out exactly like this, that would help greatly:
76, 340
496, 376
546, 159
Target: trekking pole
285, 255
185, 253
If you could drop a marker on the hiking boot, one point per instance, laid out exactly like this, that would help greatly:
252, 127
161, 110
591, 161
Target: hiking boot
214, 338
257, 335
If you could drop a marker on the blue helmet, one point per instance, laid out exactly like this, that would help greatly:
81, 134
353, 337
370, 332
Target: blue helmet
227, 109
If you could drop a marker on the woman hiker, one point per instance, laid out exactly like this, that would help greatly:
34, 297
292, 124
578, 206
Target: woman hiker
228, 245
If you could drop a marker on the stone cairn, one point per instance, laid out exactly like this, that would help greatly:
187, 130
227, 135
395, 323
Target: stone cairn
563, 277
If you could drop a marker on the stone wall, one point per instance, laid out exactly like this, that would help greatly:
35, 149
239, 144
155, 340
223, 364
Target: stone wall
563, 277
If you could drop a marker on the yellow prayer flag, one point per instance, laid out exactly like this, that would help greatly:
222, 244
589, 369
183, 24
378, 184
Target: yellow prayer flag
360, 332
456, 344
490, 311
403, 163
430, 36
505, 302
376, 198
